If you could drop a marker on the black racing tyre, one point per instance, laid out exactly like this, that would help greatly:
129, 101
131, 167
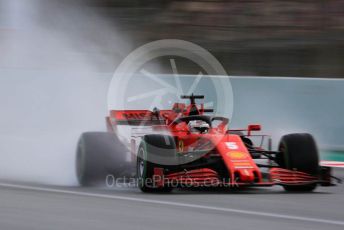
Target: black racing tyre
99, 154
151, 147
299, 152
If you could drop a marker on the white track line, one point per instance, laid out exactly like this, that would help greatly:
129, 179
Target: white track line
176, 204
332, 164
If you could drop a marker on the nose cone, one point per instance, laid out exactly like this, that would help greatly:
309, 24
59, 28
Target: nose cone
246, 175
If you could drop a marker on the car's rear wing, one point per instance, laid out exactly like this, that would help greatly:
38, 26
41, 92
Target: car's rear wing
136, 117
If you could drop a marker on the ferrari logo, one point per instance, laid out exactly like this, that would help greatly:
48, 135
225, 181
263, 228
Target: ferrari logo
181, 146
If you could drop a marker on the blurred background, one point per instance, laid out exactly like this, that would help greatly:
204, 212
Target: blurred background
250, 37
57, 58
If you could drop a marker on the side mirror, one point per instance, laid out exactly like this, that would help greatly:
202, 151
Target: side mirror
253, 127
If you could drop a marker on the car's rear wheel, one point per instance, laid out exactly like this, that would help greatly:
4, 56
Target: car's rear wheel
152, 149
299, 152
99, 154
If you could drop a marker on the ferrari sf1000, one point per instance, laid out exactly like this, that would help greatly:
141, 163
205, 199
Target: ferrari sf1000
183, 146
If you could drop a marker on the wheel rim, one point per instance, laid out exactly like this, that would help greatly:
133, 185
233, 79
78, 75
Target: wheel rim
141, 163
141, 167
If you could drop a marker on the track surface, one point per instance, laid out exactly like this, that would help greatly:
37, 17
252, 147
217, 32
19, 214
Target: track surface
24, 206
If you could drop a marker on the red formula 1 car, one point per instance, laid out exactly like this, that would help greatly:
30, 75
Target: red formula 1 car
184, 147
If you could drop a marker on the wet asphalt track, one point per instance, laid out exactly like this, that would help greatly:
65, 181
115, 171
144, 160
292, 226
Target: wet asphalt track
24, 206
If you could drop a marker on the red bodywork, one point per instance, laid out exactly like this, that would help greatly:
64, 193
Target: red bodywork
217, 142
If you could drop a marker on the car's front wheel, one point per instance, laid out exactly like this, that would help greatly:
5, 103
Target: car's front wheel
299, 152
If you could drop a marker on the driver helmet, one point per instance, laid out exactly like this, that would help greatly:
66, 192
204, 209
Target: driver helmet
198, 126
